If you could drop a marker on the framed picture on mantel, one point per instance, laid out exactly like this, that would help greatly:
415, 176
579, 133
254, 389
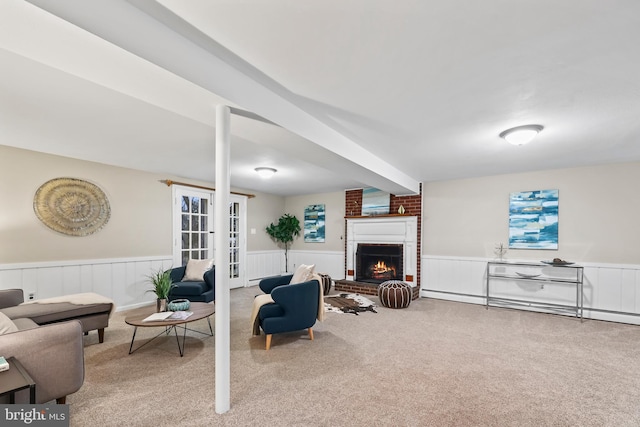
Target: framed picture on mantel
375, 202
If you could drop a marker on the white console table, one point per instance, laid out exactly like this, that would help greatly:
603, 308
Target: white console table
541, 273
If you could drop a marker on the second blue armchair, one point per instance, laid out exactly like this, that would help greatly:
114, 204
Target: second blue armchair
194, 291
295, 307
270, 283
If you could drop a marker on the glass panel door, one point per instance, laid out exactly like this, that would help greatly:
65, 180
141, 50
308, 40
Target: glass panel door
194, 231
237, 241
195, 213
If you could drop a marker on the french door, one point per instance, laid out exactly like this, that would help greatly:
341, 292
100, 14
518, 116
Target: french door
193, 230
237, 240
193, 212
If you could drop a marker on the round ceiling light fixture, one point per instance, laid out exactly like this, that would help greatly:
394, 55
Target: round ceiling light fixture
521, 135
266, 172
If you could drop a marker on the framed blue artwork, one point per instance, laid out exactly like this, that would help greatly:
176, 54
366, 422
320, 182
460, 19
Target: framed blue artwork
375, 202
314, 216
533, 220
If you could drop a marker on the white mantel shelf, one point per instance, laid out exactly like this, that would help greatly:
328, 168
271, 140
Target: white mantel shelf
376, 216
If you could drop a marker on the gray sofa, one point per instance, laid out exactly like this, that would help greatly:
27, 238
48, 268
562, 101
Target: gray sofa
47, 340
91, 316
53, 355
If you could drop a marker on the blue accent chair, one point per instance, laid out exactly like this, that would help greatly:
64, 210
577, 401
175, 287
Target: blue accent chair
270, 283
295, 307
196, 291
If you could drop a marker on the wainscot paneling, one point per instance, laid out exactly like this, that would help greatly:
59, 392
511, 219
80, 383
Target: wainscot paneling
263, 264
327, 262
611, 291
124, 279
270, 263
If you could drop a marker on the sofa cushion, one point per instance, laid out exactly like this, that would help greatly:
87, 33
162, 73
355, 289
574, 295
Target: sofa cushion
196, 268
6, 325
47, 313
303, 274
189, 288
23, 324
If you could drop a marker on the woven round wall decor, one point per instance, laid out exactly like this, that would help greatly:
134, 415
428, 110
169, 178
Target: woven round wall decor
71, 206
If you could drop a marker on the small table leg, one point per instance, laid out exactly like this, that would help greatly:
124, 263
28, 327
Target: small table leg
209, 322
132, 350
210, 334
184, 337
135, 329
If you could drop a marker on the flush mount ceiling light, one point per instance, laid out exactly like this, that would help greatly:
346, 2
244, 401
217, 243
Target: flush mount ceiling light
266, 172
521, 135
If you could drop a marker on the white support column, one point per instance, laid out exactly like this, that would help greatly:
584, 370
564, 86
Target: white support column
221, 256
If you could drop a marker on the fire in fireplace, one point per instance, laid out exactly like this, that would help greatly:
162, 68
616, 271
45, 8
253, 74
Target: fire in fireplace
376, 263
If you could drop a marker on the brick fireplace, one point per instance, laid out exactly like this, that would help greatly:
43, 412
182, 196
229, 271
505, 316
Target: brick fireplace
385, 238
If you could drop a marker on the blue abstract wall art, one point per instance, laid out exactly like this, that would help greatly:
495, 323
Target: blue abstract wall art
533, 220
314, 219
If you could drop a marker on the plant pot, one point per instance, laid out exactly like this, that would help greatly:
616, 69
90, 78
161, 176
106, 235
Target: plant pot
161, 305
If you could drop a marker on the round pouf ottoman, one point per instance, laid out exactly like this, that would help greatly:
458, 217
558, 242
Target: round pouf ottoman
394, 294
326, 283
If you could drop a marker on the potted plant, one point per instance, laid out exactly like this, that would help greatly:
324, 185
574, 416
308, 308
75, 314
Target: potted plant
162, 284
284, 231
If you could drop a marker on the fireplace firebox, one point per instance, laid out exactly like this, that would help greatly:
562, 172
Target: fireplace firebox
378, 262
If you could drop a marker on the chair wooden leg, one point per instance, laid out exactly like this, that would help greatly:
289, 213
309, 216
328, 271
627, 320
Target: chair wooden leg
101, 335
61, 400
311, 334
268, 341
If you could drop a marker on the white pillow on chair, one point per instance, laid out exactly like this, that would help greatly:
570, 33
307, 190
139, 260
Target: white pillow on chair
196, 268
303, 273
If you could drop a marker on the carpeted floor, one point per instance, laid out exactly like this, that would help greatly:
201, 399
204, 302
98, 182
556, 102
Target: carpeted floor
435, 363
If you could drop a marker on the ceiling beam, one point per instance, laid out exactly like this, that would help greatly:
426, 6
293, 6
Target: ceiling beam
156, 34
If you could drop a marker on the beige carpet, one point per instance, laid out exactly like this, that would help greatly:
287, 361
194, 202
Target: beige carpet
435, 363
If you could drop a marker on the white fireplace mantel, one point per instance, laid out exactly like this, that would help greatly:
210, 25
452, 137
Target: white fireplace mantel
392, 230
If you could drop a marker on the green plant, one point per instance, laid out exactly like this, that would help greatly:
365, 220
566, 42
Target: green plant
161, 282
287, 228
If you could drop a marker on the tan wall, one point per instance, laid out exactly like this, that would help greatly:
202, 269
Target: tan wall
141, 217
138, 203
334, 220
262, 210
598, 214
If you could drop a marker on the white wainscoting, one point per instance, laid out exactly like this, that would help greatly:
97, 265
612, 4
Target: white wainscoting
270, 263
124, 279
263, 264
611, 291
327, 262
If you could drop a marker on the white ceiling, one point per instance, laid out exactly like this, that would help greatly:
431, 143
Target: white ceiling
367, 93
